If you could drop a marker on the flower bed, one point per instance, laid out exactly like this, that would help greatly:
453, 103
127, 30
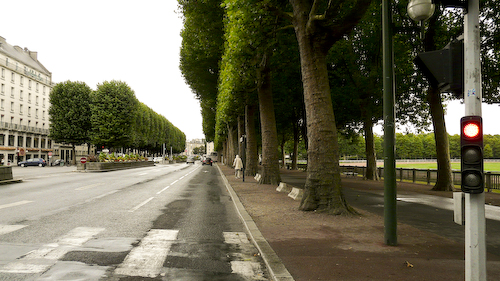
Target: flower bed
112, 166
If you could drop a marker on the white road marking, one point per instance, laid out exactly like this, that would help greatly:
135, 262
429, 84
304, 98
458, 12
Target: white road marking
147, 259
162, 190
235, 238
142, 174
248, 269
101, 196
40, 260
4, 229
140, 205
15, 204
89, 186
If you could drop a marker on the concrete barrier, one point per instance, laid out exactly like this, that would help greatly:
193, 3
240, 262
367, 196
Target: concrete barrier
5, 173
283, 188
296, 193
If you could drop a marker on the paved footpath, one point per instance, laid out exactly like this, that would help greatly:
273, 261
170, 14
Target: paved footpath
315, 246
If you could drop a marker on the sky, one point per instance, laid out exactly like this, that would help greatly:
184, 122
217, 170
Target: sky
137, 42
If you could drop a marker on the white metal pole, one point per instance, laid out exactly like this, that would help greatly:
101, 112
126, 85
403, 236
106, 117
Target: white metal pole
475, 222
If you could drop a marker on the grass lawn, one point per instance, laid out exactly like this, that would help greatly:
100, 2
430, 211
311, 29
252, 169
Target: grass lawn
488, 166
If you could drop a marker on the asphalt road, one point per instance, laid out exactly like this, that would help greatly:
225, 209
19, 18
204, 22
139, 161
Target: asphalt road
175, 222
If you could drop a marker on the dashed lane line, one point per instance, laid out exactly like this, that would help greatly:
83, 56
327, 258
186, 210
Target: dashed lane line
19, 203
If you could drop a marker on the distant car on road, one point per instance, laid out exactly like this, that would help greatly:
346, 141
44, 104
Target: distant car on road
190, 160
157, 159
33, 162
207, 161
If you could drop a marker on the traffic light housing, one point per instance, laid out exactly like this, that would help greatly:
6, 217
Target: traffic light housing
444, 68
471, 144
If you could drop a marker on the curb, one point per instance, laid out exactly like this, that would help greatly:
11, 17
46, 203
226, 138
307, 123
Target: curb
274, 265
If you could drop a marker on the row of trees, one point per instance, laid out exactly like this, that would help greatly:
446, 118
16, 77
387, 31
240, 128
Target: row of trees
110, 116
413, 146
307, 70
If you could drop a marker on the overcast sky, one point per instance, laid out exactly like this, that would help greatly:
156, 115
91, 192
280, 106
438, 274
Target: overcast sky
137, 42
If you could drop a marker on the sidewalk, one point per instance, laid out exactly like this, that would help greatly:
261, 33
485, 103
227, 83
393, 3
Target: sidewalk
316, 246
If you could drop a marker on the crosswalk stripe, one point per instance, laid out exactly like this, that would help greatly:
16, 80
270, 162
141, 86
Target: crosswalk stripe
4, 229
146, 260
235, 238
40, 260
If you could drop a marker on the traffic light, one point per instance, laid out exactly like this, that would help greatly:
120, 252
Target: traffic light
444, 68
471, 143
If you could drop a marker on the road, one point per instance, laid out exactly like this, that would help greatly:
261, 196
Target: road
175, 222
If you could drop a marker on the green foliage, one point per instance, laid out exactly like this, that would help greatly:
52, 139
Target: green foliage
113, 110
199, 150
201, 51
69, 113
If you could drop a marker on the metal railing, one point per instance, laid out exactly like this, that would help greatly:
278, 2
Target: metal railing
491, 179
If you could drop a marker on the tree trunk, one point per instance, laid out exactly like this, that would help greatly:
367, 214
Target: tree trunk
232, 144
282, 147
444, 174
73, 150
252, 163
323, 190
295, 146
270, 158
241, 132
371, 157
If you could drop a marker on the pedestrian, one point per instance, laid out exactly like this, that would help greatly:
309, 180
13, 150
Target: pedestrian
238, 166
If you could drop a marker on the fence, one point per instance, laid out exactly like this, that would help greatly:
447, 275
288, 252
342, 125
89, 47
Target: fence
491, 180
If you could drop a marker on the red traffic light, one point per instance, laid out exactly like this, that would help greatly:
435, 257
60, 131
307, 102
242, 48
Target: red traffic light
471, 130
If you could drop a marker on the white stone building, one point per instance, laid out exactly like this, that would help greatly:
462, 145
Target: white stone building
25, 86
192, 144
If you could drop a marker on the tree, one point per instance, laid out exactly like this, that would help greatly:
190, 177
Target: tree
69, 113
113, 111
318, 25
199, 150
201, 52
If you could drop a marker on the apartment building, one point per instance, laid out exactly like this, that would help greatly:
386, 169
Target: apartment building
25, 86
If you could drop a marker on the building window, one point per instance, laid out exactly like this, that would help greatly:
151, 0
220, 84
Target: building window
3, 89
29, 111
37, 87
2, 104
11, 106
36, 113
21, 78
20, 141
49, 144
44, 90
43, 115
42, 144
20, 94
3, 73
11, 92
13, 77
29, 97
11, 140
36, 100
21, 109
29, 84
2, 139
43, 102
35, 142
28, 141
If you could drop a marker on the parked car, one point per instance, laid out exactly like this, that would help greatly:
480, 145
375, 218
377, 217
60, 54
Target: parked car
33, 162
190, 160
207, 161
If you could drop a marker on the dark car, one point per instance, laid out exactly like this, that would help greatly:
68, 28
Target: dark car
33, 162
207, 161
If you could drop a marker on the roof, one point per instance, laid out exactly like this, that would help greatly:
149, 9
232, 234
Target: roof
25, 56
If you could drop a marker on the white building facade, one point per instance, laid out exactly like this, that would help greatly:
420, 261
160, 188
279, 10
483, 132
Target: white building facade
25, 85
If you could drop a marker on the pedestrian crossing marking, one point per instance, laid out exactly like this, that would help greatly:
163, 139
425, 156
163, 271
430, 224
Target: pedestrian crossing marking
235, 238
42, 259
4, 229
146, 260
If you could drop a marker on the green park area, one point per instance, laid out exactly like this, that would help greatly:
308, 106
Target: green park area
488, 166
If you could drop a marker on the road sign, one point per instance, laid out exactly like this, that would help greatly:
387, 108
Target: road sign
83, 160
